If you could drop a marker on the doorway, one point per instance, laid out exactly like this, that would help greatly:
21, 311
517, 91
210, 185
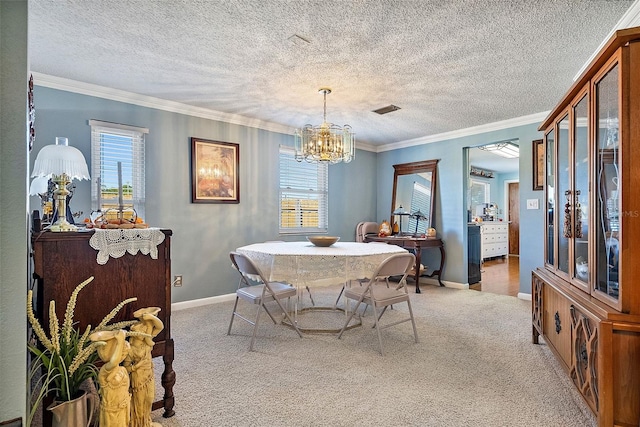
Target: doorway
512, 202
493, 198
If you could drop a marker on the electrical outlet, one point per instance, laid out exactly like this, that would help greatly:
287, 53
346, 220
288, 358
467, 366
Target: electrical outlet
177, 280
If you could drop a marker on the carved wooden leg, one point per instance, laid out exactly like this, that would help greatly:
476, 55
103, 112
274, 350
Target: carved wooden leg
168, 380
417, 267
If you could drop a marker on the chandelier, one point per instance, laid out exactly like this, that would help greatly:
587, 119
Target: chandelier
326, 142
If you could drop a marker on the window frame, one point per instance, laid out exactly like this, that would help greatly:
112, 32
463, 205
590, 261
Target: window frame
136, 161
286, 157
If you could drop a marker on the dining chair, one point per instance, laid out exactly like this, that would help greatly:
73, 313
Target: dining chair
376, 294
256, 289
364, 228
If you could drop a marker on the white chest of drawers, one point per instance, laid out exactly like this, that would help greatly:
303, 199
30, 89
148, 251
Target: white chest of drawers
495, 239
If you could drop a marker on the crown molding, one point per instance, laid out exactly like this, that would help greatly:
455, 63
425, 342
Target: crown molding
489, 127
74, 86
631, 18
89, 89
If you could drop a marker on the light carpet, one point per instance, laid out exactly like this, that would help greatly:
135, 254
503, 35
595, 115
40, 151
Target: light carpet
475, 365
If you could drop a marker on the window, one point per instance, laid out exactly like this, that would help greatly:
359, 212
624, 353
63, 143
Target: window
113, 144
479, 195
304, 193
420, 201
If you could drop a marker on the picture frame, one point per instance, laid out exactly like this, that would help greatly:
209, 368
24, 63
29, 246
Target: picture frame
538, 165
215, 167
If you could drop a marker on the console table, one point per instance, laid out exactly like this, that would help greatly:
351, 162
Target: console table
63, 260
416, 244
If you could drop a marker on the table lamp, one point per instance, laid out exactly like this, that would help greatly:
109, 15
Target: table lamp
63, 164
418, 216
400, 212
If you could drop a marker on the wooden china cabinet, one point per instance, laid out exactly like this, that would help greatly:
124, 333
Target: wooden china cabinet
586, 298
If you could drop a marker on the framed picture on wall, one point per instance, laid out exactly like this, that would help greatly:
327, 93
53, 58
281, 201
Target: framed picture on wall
538, 165
214, 171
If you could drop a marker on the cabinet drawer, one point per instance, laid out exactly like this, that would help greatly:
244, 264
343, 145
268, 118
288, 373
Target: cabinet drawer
489, 228
488, 238
501, 237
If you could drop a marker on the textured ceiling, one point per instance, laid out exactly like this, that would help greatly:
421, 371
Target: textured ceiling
448, 64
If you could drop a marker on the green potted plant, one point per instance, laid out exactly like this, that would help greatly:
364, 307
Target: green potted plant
66, 357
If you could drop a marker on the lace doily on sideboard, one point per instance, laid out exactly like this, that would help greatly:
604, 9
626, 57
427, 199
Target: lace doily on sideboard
116, 242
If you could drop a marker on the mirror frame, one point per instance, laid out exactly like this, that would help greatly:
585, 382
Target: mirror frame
423, 166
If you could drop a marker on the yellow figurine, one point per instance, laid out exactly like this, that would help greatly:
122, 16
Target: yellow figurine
140, 366
115, 400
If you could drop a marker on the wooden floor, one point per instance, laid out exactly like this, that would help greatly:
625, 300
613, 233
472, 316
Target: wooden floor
500, 276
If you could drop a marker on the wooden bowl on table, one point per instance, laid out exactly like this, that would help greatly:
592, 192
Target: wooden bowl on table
323, 241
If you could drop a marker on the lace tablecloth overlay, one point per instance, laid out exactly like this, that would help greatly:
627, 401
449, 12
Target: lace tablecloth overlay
116, 242
303, 264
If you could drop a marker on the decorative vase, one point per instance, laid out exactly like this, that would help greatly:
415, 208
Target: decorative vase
72, 413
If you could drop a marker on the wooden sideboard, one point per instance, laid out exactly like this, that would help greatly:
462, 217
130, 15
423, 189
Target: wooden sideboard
416, 244
61, 261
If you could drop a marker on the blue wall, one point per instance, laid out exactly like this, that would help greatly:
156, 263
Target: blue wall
205, 233
451, 211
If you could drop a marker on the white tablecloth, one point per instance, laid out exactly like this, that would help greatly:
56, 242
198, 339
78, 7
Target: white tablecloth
303, 264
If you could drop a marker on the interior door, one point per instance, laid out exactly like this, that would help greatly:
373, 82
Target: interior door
514, 218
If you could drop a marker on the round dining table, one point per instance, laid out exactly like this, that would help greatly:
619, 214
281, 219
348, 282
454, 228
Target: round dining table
304, 264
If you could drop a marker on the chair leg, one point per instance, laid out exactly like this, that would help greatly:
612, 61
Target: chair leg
335, 304
351, 314
233, 314
313, 303
413, 322
255, 327
295, 326
270, 315
376, 317
382, 312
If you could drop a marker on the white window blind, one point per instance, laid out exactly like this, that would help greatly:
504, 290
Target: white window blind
304, 194
111, 144
420, 200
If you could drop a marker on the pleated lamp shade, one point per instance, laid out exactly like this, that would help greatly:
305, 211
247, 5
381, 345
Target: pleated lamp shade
59, 159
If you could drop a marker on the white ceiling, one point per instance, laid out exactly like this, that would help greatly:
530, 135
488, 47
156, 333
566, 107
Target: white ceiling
449, 65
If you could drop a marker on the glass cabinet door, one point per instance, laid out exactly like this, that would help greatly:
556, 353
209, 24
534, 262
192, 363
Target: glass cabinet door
580, 202
607, 168
564, 196
550, 145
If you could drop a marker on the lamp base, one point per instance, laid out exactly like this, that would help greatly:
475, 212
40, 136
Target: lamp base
62, 226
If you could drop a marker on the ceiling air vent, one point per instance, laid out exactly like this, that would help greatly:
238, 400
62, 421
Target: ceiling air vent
387, 109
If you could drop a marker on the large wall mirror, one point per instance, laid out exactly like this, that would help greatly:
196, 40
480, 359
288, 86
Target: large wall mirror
414, 189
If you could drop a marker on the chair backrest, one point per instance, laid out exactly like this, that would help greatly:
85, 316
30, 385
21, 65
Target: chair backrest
365, 228
245, 266
396, 265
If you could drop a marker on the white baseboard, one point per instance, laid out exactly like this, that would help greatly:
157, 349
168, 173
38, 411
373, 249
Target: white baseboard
524, 296
202, 301
454, 285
